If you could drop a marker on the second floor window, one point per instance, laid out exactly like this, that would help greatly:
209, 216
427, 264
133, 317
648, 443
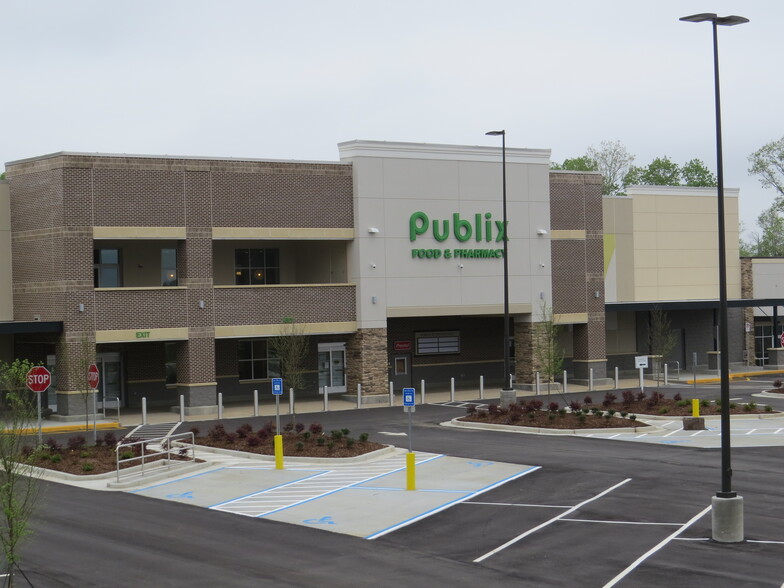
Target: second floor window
256, 266
107, 268
168, 267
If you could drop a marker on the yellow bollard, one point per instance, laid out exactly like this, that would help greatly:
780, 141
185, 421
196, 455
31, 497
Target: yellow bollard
410, 471
695, 407
278, 452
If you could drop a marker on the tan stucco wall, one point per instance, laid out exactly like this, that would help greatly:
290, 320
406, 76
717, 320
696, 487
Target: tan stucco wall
768, 277
666, 244
6, 292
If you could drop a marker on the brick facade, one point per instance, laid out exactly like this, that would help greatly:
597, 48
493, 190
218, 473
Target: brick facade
578, 265
56, 201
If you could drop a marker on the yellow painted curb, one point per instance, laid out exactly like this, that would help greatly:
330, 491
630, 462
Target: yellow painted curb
69, 429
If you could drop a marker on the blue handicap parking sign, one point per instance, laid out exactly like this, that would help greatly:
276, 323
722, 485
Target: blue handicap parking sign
277, 386
408, 396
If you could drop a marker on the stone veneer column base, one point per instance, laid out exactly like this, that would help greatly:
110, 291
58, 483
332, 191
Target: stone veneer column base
367, 362
70, 406
582, 369
199, 398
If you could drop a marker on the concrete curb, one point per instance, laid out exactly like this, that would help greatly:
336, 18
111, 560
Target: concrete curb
762, 415
456, 423
150, 474
364, 458
766, 394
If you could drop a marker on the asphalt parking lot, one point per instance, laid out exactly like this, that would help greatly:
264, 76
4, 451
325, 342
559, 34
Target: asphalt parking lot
560, 511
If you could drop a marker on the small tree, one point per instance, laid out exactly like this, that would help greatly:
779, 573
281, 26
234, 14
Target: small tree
661, 338
290, 346
548, 353
19, 488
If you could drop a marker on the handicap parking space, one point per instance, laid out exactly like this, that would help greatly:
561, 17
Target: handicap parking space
745, 432
364, 500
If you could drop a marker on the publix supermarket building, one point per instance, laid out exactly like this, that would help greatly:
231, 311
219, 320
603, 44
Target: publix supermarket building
175, 272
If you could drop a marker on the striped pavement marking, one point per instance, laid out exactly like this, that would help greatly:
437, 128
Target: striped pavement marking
318, 485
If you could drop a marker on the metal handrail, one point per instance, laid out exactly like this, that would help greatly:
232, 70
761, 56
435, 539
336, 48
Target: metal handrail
677, 367
166, 444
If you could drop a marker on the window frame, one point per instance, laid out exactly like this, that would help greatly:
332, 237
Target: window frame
269, 269
168, 282
446, 343
99, 265
258, 359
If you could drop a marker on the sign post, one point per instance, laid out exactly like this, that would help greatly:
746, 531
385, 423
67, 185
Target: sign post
409, 396
641, 362
38, 380
93, 378
277, 391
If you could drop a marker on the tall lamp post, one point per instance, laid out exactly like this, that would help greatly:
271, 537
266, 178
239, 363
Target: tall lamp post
727, 506
507, 392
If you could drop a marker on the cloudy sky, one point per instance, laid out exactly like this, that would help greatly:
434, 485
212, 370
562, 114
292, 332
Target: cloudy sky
289, 80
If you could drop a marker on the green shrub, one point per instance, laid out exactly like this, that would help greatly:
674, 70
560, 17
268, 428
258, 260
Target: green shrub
363, 438
306, 435
55, 458
632, 417
581, 417
704, 402
733, 405
300, 446
349, 442
682, 403
127, 455
664, 410
768, 408
320, 441
87, 467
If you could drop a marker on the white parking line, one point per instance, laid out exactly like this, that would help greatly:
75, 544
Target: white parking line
546, 523
673, 432
655, 548
621, 522
750, 432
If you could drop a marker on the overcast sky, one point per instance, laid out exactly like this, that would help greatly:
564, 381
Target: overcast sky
291, 79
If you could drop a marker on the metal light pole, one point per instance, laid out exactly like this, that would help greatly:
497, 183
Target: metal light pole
507, 392
727, 511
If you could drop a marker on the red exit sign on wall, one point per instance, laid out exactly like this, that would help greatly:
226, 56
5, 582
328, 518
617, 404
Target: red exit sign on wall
402, 345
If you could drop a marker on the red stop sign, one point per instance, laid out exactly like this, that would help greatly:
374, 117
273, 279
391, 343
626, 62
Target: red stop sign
39, 378
92, 376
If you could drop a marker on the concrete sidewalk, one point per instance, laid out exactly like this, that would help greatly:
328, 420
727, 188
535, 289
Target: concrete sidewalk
132, 417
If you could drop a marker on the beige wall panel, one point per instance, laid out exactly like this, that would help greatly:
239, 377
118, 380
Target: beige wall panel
6, 291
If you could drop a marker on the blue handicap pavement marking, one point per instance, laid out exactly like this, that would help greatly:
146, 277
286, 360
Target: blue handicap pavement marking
321, 521
479, 464
181, 495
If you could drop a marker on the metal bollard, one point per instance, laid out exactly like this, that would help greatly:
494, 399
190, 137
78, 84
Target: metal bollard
144, 410
564, 383
481, 387
255, 403
590, 379
422, 388
391, 395
359, 395
182, 408
617, 381
291, 401
326, 398
538, 384
220, 406
452, 393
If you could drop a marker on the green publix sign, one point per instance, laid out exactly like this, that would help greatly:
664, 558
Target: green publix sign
482, 230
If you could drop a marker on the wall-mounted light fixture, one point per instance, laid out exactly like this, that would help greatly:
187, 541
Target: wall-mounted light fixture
373, 230
460, 266
201, 303
373, 299
541, 232
373, 265
81, 307
596, 294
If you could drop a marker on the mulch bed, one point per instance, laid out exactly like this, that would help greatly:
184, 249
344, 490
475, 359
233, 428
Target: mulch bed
304, 443
548, 420
81, 459
537, 413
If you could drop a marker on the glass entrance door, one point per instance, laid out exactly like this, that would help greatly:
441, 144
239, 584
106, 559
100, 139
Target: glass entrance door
110, 384
332, 366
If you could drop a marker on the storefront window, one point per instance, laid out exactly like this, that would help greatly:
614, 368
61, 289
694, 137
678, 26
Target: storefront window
256, 267
256, 360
